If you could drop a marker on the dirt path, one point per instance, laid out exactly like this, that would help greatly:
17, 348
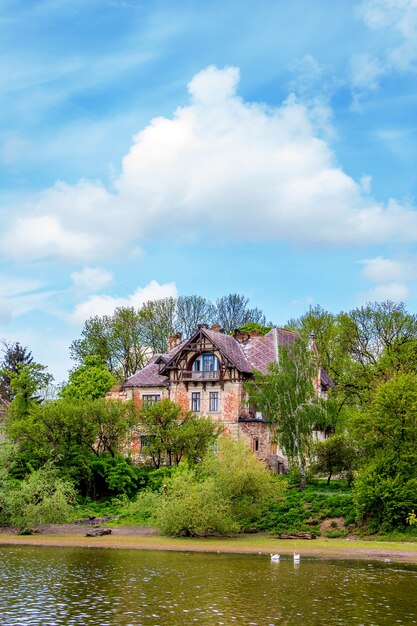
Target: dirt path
144, 538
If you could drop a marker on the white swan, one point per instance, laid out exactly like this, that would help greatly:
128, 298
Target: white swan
297, 558
275, 558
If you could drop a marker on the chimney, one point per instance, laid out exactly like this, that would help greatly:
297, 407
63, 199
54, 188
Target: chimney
217, 328
174, 341
240, 336
312, 342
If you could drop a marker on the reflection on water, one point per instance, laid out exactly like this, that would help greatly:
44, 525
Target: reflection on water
51, 586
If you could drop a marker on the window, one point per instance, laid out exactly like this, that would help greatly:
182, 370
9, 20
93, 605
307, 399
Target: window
146, 441
195, 401
150, 398
214, 401
255, 445
206, 363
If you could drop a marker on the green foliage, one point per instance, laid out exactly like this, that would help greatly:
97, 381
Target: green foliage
89, 381
411, 518
42, 498
118, 340
261, 329
15, 355
113, 475
336, 455
143, 509
194, 508
286, 397
174, 435
386, 486
303, 511
27, 385
73, 433
226, 493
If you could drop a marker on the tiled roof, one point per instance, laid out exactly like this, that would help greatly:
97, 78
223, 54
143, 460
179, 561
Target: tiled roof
256, 353
261, 351
231, 348
149, 376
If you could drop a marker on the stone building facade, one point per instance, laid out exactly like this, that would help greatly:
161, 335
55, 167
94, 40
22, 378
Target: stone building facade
207, 373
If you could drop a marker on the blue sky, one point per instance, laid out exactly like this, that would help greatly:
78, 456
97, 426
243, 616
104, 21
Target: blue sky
159, 148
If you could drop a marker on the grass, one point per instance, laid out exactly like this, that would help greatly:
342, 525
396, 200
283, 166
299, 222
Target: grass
304, 511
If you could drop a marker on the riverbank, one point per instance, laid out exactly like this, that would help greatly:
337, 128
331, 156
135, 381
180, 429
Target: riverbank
142, 538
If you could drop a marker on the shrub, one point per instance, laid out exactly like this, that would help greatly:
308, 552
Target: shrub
42, 498
226, 493
194, 508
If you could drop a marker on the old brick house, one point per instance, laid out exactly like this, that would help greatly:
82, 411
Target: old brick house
206, 373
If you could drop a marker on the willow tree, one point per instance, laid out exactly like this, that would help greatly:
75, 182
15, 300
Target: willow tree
286, 397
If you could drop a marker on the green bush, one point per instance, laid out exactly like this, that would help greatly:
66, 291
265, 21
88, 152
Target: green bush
41, 498
226, 493
194, 508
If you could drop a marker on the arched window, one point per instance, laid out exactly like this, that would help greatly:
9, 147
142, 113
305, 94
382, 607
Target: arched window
206, 363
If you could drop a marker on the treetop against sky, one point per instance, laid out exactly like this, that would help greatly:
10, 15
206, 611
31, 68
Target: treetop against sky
151, 150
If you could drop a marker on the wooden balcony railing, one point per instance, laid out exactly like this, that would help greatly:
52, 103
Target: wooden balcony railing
209, 375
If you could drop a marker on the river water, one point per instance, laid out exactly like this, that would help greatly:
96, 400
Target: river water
51, 586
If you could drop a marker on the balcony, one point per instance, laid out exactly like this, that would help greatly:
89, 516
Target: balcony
195, 376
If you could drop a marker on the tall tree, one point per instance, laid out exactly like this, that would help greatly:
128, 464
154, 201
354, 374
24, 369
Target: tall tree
158, 318
192, 311
232, 312
386, 432
14, 355
287, 399
120, 340
28, 386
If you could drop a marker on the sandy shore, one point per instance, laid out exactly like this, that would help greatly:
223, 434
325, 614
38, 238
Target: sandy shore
143, 538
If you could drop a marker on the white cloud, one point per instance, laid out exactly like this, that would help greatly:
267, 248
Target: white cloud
221, 168
91, 279
105, 304
382, 270
390, 276
396, 22
397, 292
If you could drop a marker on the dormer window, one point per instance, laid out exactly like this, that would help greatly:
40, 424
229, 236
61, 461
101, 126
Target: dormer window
206, 363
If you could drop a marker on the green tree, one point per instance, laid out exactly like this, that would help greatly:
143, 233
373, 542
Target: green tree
287, 399
158, 318
14, 355
386, 486
73, 433
174, 434
89, 381
119, 340
335, 455
28, 386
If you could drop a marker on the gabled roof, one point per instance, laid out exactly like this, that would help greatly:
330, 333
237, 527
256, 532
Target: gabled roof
226, 344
